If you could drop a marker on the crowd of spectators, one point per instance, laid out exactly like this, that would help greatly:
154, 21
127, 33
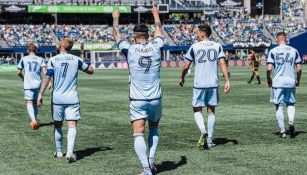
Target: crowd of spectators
21, 35
184, 34
241, 30
237, 29
75, 2
293, 8
85, 33
292, 27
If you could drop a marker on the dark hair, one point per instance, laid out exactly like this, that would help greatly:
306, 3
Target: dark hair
141, 28
281, 34
206, 29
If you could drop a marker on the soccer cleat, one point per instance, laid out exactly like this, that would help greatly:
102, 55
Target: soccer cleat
201, 141
282, 134
153, 169
249, 82
291, 130
71, 157
210, 145
58, 154
146, 173
34, 125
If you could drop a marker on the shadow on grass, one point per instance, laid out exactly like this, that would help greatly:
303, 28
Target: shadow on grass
46, 124
223, 141
170, 165
295, 134
81, 154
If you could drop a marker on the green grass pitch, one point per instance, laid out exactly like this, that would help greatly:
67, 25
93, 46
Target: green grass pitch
245, 130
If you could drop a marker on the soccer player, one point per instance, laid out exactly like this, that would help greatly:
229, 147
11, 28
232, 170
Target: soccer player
33, 66
144, 60
206, 56
65, 99
286, 62
254, 64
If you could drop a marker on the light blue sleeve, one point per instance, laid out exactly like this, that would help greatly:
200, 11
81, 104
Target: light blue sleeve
82, 65
221, 54
43, 63
20, 65
158, 42
123, 46
298, 59
190, 54
50, 70
271, 58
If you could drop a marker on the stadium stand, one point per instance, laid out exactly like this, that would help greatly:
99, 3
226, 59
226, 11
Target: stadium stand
21, 35
293, 8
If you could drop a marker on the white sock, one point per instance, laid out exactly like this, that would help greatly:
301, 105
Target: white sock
58, 137
199, 119
30, 109
153, 140
291, 113
280, 116
211, 123
141, 149
35, 107
71, 138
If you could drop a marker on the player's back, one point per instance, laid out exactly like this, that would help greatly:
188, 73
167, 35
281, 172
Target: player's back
284, 58
144, 62
205, 55
65, 67
32, 66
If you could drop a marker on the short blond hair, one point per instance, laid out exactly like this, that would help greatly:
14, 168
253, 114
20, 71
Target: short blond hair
67, 43
32, 47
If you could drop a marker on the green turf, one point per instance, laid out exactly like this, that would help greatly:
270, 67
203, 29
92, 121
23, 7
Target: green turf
244, 131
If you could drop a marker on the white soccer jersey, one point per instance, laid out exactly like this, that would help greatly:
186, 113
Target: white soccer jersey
144, 62
284, 58
206, 55
32, 66
64, 69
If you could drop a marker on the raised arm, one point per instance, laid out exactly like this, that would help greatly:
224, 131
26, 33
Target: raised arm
158, 26
117, 36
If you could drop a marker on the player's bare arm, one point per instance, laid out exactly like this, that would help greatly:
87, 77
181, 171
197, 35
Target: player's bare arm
20, 74
44, 85
158, 25
186, 67
43, 71
224, 68
90, 70
268, 75
298, 74
116, 34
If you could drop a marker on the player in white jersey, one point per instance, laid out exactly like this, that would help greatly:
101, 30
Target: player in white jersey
63, 68
206, 55
144, 60
286, 62
33, 66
